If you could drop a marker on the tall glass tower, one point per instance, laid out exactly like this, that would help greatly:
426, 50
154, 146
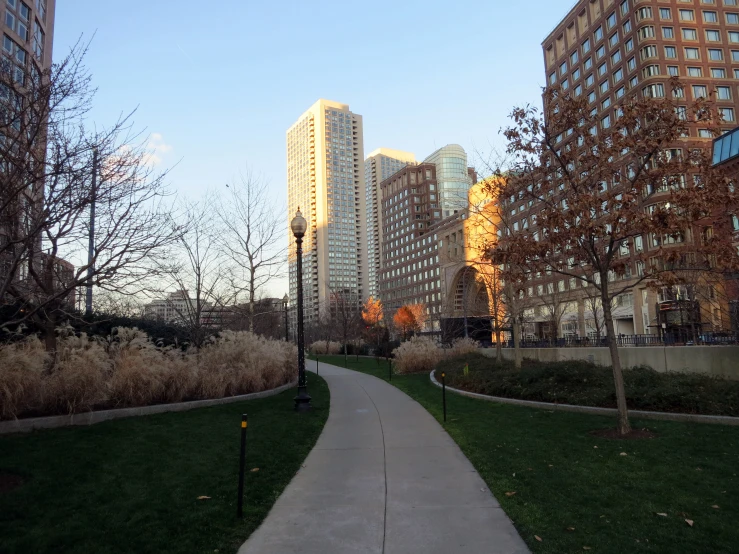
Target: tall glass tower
453, 178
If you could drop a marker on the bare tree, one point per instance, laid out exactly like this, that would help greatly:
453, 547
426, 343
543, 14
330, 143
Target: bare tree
47, 162
252, 225
195, 274
604, 188
594, 304
347, 309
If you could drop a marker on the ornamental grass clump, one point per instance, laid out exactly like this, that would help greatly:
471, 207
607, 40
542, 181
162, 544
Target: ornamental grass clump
416, 355
324, 348
127, 369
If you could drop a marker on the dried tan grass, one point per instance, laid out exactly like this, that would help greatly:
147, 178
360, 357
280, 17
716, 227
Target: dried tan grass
21, 368
416, 355
127, 369
321, 348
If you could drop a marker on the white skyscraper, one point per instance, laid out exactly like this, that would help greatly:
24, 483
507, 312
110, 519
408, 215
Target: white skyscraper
379, 165
325, 169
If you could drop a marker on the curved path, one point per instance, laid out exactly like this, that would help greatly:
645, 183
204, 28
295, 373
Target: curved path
385, 478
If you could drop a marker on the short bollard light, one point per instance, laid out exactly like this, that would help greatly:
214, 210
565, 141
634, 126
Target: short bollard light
242, 462
443, 393
389, 370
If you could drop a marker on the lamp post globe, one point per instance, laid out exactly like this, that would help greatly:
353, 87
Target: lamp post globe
299, 225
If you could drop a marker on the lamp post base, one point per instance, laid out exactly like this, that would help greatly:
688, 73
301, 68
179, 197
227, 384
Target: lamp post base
302, 400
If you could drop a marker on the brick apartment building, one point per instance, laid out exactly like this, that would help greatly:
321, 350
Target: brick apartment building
608, 49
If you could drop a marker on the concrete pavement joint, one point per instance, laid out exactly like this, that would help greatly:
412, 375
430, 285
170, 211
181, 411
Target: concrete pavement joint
384, 463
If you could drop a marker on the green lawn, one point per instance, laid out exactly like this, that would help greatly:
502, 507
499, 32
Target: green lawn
131, 485
564, 478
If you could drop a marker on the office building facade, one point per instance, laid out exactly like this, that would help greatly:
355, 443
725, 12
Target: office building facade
325, 180
379, 165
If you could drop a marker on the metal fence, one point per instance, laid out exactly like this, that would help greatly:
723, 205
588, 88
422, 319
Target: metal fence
706, 339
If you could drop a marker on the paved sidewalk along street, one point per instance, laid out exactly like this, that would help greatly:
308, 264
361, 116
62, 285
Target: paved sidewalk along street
384, 477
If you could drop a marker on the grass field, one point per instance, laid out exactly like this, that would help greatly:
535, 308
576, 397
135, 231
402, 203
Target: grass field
132, 485
574, 490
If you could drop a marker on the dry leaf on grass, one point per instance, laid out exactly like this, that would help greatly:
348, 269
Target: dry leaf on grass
623, 454
689, 522
203, 497
662, 514
510, 493
255, 470
570, 528
537, 537
715, 507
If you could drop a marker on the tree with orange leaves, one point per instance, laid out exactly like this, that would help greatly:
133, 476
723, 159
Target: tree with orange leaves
410, 319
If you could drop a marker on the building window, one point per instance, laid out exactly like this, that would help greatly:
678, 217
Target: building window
620, 92
603, 87
589, 80
627, 26
576, 74
611, 20
574, 57
672, 71
644, 13
563, 68
598, 34
587, 64
38, 41
552, 78
695, 72
723, 93
727, 113
649, 52
656, 90
700, 91
692, 54
631, 64
668, 32
586, 46
686, 15
578, 90
705, 133
715, 54
602, 69
732, 18
665, 13
618, 75
646, 32
600, 52
713, 36
718, 73
629, 45
690, 34
710, 17
670, 52
624, 7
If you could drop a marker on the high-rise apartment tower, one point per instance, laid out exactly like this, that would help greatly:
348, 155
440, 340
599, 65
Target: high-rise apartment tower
379, 165
325, 180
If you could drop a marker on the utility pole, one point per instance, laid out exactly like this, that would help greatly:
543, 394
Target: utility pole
91, 244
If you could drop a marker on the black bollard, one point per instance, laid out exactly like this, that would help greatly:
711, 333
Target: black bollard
242, 461
443, 393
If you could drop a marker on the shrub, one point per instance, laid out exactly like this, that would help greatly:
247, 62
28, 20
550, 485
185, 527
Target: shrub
415, 355
320, 348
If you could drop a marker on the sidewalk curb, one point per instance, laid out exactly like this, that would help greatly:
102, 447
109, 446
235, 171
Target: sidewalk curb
90, 418
639, 414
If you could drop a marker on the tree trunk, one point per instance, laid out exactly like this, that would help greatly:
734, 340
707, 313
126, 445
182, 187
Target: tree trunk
624, 426
498, 348
517, 344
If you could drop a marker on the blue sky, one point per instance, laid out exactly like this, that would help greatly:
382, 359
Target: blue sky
219, 83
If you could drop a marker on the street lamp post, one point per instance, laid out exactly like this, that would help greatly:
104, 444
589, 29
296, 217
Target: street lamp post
285, 300
302, 401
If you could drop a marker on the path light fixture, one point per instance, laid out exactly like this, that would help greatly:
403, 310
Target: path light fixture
299, 226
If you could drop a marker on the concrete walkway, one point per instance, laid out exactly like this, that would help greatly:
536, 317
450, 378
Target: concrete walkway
384, 477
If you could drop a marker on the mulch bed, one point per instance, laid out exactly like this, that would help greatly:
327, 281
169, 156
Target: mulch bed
613, 434
10, 481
